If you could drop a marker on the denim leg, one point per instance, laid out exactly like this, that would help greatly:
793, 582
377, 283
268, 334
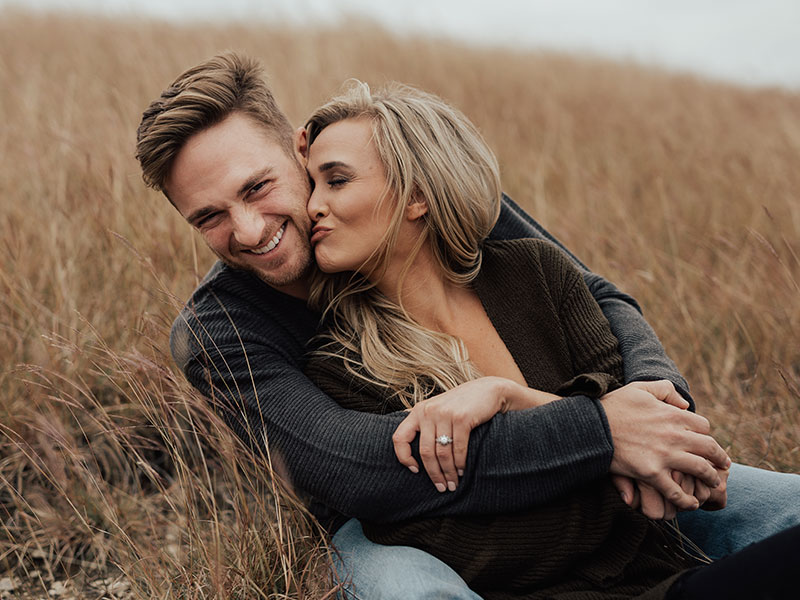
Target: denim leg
760, 504
375, 572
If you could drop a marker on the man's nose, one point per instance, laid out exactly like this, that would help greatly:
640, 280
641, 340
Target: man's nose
248, 226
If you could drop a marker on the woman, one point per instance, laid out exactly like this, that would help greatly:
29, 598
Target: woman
405, 193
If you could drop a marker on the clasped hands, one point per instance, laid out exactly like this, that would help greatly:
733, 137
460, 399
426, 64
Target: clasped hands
664, 458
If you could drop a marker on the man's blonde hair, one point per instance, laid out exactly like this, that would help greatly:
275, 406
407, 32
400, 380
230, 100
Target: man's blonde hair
430, 152
199, 98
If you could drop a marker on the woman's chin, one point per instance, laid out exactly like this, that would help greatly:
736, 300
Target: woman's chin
327, 266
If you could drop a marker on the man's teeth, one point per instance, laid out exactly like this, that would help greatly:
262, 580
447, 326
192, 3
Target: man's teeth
272, 243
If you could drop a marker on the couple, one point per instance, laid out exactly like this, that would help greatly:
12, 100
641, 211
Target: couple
224, 154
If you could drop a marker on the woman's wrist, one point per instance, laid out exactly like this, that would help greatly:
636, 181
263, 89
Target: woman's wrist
520, 397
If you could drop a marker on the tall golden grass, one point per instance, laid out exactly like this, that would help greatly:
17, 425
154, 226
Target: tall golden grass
686, 193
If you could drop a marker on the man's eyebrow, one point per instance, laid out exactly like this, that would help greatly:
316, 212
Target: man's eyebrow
255, 178
199, 214
243, 189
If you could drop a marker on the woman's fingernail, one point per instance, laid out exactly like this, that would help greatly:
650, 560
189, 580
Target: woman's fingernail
440, 487
451, 485
413, 469
461, 472
624, 497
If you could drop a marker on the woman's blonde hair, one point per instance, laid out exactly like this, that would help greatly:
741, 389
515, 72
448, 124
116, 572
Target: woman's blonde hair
430, 152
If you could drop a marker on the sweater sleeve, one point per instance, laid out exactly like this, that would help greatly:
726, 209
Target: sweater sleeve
644, 358
246, 355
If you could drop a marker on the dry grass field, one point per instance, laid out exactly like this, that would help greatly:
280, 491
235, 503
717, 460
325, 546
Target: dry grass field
113, 475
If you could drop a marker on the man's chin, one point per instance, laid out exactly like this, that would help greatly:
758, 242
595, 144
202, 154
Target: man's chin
285, 276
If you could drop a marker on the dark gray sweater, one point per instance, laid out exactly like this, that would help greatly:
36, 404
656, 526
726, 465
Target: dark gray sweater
242, 344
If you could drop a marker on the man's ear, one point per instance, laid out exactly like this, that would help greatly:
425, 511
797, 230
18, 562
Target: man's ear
301, 145
417, 207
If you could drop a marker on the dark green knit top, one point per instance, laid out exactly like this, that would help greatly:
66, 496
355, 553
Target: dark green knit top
588, 544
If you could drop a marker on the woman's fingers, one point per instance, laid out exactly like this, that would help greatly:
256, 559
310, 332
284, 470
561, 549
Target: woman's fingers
461, 433
428, 453
444, 454
402, 438
436, 444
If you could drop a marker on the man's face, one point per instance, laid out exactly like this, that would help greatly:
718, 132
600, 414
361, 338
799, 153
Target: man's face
247, 197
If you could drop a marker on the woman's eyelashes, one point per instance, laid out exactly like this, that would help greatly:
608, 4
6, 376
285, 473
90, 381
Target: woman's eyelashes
332, 181
338, 181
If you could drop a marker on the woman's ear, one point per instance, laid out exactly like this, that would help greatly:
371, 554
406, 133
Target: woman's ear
417, 207
301, 145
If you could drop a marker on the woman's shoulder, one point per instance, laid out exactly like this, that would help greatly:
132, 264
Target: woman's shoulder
528, 266
524, 249
534, 256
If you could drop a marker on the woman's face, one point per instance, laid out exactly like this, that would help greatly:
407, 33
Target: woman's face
348, 180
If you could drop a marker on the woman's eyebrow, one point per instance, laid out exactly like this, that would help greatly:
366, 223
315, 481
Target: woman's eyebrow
332, 164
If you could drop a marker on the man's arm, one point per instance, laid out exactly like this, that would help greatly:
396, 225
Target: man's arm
644, 358
244, 351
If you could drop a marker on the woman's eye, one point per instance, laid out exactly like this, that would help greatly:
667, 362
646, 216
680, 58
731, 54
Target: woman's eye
337, 181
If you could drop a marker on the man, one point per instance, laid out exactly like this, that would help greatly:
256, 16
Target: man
219, 148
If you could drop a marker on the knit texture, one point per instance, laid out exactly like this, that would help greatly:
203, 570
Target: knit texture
242, 345
587, 544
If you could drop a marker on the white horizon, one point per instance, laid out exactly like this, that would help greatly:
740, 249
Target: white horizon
754, 44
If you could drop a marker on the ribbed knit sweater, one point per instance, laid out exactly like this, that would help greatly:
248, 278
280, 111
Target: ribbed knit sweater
242, 345
586, 544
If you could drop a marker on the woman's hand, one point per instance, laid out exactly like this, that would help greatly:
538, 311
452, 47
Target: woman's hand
454, 414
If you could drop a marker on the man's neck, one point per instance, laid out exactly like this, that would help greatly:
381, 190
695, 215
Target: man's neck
296, 289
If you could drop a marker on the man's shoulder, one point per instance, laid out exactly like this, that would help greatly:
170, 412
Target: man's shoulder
230, 308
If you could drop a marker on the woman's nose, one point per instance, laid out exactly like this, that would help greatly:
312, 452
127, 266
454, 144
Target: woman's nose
316, 207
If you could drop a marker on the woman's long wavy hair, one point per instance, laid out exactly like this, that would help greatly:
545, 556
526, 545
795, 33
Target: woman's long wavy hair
429, 151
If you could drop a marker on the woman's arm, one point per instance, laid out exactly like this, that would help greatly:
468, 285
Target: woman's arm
455, 413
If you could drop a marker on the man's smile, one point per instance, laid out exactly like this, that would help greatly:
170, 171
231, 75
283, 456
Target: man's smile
272, 243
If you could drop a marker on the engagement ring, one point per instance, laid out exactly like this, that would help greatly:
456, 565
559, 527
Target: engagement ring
444, 440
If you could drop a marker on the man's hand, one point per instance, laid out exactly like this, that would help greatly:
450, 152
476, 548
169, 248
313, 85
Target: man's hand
654, 435
718, 497
652, 504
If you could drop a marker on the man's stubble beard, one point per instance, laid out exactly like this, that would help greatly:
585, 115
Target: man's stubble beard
301, 272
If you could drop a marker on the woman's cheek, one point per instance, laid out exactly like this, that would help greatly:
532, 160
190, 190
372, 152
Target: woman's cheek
323, 259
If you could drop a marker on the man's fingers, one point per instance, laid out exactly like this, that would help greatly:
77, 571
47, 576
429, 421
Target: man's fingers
706, 447
718, 497
402, 438
625, 486
665, 391
653, 505
673, 493
702, 492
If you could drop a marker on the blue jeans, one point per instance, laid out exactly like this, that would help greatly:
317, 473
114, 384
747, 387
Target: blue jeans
760, 503
373, 572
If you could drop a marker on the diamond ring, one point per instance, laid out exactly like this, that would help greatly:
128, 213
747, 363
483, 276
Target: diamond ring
444, 440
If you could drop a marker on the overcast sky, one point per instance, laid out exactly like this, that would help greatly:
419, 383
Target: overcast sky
749, 41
